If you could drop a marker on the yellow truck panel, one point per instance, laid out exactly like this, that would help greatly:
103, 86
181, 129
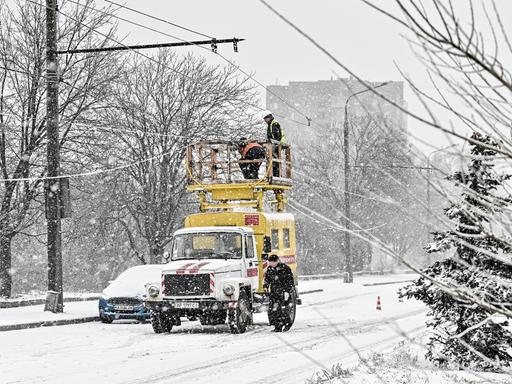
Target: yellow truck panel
279, 227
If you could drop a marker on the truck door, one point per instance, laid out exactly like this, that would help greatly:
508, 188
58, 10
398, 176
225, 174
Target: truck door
251, 261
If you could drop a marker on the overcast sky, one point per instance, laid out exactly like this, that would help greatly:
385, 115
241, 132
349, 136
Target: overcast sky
364, 40
367, 42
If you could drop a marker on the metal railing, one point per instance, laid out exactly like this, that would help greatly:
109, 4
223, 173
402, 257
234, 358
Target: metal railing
220, 162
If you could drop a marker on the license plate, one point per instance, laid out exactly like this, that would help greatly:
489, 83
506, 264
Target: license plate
123, 307
186, 305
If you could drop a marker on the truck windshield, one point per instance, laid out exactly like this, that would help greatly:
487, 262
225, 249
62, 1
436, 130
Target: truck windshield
216, 245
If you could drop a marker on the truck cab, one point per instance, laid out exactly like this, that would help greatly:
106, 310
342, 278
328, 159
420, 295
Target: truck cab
216, 263
212, 275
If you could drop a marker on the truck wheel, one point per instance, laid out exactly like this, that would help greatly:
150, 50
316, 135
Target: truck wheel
167, 322
160, 322
291, 310
156, 322
239, 317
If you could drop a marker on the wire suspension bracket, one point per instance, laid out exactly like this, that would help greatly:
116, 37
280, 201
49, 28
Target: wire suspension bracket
212, 42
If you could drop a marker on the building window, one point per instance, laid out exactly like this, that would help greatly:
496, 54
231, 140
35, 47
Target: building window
275, 239
286, 238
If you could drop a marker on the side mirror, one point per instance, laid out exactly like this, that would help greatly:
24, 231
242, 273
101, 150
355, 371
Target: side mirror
267, 244
166, 256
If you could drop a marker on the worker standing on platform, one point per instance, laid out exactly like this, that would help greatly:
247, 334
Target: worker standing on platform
274, 130
250, 151
274, 133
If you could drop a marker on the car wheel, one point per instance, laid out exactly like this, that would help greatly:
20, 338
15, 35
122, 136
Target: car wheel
106, 320
239, 317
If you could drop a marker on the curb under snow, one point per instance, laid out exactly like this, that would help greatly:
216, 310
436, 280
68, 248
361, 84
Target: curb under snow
48, 323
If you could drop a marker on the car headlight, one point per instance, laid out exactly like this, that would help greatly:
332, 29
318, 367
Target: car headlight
153, 291
228, 289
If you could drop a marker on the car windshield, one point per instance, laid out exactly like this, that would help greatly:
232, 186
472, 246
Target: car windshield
211, 245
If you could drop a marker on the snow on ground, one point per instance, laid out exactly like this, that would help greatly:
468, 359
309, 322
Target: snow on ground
404, 364
36, 313
330, 326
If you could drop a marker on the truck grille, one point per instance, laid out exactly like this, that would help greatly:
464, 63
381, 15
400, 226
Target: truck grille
187, 285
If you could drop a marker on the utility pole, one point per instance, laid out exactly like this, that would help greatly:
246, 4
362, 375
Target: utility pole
52, 186
349, 263
57, 188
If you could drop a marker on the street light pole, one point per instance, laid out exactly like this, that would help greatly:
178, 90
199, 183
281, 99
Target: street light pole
349, 267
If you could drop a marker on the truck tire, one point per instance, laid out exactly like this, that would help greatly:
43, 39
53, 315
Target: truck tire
160, 322
167, 322
239, 317
291, 309
156, 322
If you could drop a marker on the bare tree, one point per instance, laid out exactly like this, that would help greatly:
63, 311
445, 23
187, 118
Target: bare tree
375, 151
22, 102
160, 107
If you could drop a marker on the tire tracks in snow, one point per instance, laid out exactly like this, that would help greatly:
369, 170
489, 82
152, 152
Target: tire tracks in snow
225, 362
297, 374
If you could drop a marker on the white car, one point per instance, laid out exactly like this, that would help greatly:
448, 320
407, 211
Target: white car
123, 298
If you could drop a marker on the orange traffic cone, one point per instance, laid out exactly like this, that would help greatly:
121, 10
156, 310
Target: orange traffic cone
378, 304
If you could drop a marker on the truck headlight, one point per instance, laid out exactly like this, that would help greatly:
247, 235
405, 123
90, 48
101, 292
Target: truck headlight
153, 291
228, 289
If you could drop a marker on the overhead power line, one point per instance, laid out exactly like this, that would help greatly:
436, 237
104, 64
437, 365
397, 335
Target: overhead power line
159, 19
114, 40
238, 68
91, 173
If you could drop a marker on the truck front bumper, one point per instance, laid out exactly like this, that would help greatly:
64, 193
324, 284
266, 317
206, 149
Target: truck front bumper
183, 306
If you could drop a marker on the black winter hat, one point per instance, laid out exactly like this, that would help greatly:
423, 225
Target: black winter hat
273, 258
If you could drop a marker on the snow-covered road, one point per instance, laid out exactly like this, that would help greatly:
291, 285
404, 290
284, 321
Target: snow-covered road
330, 326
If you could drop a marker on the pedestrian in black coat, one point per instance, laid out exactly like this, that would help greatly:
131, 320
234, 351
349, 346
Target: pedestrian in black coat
279, 283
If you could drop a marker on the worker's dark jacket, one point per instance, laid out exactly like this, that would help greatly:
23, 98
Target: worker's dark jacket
279, 279
275, 132
252, 151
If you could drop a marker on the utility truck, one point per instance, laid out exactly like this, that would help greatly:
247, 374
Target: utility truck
216, 263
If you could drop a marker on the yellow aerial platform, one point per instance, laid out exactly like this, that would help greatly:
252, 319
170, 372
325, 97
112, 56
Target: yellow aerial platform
227, 199
213, 171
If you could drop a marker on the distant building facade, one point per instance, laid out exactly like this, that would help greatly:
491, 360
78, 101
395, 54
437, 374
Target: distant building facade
324, 102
